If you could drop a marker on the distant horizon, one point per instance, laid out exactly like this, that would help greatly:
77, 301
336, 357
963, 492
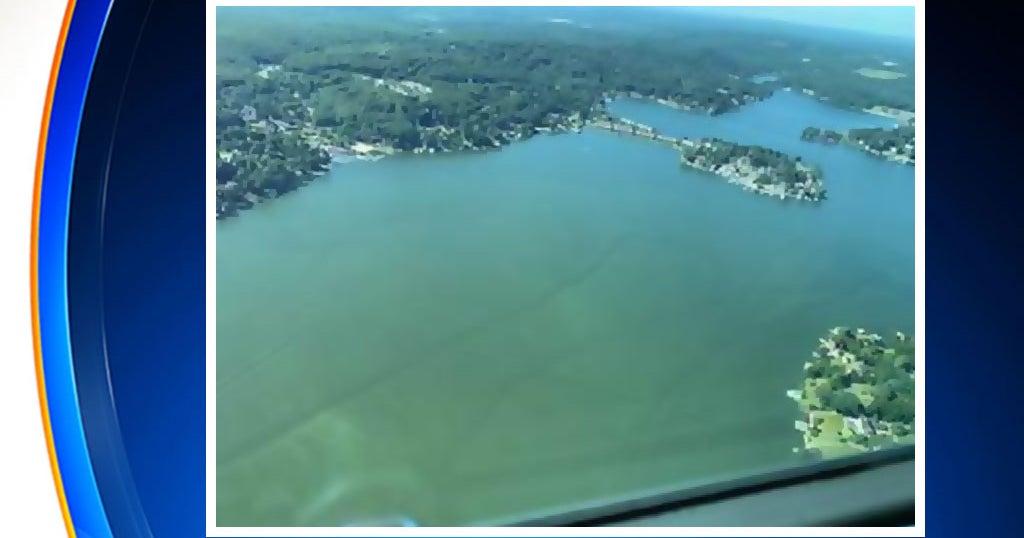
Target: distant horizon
884, 21
890, 21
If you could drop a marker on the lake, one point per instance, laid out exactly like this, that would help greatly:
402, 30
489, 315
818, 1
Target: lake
461, 339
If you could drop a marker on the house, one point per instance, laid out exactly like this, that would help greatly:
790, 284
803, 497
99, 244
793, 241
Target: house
362, 148
861, 425
248, 113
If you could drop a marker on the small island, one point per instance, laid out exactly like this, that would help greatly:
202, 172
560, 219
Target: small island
758, 169
824, 136
858, 394
896, 145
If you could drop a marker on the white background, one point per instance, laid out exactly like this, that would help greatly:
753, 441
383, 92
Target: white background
28, 39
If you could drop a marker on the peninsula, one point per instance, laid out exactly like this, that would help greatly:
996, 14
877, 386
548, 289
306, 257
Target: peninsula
755, 168
896, 144
857, 393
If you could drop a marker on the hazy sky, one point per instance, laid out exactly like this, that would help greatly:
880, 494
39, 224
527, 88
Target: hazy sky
894, 21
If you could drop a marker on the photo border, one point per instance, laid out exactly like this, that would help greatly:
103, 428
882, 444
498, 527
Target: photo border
212, 530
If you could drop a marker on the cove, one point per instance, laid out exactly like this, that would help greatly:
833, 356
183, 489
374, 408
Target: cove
465, 338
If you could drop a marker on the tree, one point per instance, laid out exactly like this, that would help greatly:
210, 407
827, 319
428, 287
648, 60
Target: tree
846, 403
824, 392
225, 171
406, 135
811, 133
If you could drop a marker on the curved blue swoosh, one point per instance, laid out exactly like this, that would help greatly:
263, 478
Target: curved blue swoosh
81, 495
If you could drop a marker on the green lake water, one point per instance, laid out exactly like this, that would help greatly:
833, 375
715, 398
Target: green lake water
468, 338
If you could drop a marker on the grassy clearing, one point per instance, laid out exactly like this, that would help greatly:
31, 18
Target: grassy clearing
882, 74
863, 393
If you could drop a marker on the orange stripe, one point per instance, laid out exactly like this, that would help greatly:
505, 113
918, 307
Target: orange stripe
34, 263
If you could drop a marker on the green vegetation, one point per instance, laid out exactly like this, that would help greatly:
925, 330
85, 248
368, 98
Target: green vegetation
858, 393
830, 77
298, 85
827, 136
895, 144
760, 169
261, 160
891, 143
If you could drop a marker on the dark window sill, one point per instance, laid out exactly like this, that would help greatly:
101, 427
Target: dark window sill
869, 490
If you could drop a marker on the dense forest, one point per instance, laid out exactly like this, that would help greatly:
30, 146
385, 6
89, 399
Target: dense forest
298, 85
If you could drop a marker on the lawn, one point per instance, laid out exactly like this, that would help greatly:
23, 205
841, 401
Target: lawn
879, 73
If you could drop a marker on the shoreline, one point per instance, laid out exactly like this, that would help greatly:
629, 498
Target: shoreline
785, 178
897, 155
232, 198
857, 394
